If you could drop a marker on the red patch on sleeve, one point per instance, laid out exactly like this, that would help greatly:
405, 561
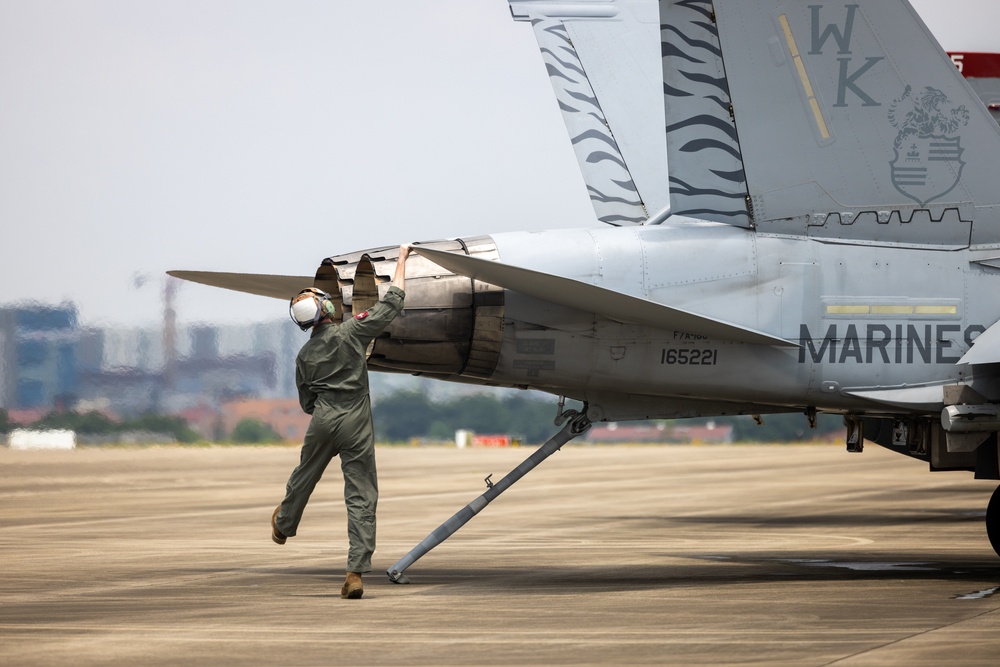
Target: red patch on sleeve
361, 316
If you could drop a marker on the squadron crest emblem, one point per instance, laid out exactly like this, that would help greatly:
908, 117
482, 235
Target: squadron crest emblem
928, 157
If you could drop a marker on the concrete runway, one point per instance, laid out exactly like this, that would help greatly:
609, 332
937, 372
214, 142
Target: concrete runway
712, 555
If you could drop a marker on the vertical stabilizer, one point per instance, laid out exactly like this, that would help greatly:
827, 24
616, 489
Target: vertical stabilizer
854, 124
602, 57
706, 167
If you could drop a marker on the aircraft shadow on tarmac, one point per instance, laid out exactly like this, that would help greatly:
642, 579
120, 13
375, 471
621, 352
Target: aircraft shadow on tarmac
844, 522
968, 575
722, 566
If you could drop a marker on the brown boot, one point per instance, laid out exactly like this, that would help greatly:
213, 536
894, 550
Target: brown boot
276, 534
352, 589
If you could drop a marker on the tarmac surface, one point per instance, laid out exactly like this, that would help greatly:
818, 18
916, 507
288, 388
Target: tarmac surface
674, 555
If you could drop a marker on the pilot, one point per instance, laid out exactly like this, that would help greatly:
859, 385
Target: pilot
332, 378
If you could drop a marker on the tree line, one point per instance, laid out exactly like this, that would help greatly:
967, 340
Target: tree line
94, 423
404, 415
411, 414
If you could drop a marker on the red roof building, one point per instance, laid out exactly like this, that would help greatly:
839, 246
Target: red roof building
284, 415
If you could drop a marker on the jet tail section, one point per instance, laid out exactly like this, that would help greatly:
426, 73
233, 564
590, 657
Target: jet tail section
706, 166
595, 299
985, 348
602, 57
854, 124
277, 287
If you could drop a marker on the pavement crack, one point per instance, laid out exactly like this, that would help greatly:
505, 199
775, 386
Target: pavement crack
900, 640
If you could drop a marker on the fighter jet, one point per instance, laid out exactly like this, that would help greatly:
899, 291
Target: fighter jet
825, 240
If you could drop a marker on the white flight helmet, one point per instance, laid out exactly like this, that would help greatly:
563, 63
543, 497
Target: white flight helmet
310, 306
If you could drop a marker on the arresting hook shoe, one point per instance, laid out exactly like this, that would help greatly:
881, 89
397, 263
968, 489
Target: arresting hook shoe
276, 535
353, 589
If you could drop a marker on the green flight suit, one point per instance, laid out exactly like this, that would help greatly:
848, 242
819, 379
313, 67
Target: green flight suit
332, 376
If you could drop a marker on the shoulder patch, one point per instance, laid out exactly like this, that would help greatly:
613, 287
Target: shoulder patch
361, 316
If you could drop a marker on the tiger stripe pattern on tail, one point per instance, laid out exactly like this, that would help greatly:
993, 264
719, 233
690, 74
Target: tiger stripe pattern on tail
612, 192
707, 180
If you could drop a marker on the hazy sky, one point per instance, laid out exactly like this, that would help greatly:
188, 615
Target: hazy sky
140, 136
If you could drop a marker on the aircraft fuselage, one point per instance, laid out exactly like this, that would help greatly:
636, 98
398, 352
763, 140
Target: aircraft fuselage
873, 329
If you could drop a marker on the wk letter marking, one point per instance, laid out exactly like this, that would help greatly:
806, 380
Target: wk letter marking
847, 80
843, 37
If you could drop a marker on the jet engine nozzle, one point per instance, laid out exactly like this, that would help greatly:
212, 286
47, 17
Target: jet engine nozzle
450, 324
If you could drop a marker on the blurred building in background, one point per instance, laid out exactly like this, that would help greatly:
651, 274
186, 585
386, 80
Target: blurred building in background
676, 433
49, 361
213, 376
39, 367
140, 372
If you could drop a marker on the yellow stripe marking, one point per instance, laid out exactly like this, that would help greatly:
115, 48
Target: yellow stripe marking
847, 310
936, 310
889, 309
800, 67
892, 310
804, 78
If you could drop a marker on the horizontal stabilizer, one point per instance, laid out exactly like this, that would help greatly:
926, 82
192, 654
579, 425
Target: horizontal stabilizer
277, 287
985, 349
595, 299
